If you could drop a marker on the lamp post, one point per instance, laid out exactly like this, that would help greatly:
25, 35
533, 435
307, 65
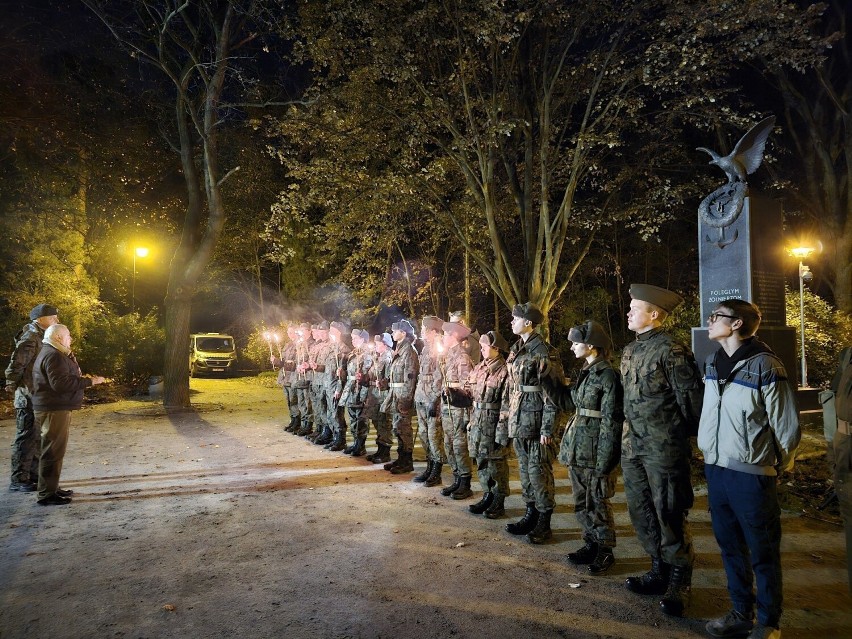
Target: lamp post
802, 252
139, 251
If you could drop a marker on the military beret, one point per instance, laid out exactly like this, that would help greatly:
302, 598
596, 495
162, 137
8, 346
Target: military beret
665, 299
454, 328
385, 338
403, 325
340, 327
528, 311
432, 323
360, 332
493, 338
590, 333
322, 326
43, 310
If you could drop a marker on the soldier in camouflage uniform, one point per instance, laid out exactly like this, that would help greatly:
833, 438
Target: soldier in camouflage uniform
26, 446
287, 375
335, 378
663, 392
356, 390
302, 379
531, 418
399, 404
427, 399
591, 446
317, 357
471, 344
457, 367
489, 443
379, 391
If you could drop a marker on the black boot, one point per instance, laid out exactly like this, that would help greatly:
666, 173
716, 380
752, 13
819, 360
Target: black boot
449, 490
395, 462
305, 430
526, 523
434, 478
496, 509
422, 477
653, 582
325, 437
603, 560
541, 533
479, 507
358, 448
584, 555
381, 455
676, 599
404, 463
463, 491
348, 450
292, 427
339, 442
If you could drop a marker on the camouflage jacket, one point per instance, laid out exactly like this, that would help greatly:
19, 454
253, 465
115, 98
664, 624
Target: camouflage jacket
457, 366
527, 410
379, 384
334, 366
317, 357
19, 372
593, 437
288, 365
430, 381
303, 379
358, 374
402, 377
663, 393
486, 385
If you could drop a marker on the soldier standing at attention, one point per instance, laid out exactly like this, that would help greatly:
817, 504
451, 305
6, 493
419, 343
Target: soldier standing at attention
379, 391
335, 378
427, 399
302, 379
356, 391
287, 376
19, 380
457, 367
531, 417
663, 392
489, 443
402, 380
317, 357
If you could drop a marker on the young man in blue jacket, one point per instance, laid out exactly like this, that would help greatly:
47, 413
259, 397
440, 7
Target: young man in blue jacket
749, 432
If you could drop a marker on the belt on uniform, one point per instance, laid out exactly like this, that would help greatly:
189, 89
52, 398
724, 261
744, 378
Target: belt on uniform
398, 384
427, 378
588, 412
520, 388
843, 427
487, 405
454, 384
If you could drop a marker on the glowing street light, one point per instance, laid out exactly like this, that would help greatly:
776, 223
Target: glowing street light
805, 275
139, 251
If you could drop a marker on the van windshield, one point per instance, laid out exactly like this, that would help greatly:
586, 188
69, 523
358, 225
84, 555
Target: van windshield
214, 344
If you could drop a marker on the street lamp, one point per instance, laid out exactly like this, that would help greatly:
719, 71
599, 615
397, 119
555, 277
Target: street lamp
139, 251
805, 275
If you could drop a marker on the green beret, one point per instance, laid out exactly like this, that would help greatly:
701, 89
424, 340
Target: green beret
590, 333
665, 299
528, 311
454, 328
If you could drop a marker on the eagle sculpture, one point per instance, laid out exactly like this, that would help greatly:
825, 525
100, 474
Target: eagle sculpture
747, 154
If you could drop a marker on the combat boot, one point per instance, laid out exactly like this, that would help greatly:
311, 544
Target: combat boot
422, 477
348, 450
381, 455
291, 427
404, 463
584, 555
496, 509
358, 448
434, 478
526, 523
463, 491
324, 437
603, 560
542, 532
449, 490
676, 599
653, 582
479, 507
338, 443
305, 430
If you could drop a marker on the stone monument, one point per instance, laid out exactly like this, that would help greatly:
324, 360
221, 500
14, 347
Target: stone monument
741, 250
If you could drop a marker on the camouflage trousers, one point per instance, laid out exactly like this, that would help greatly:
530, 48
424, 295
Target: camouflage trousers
592, 494
319, 406
401, 421
430, 433
535, 466
659, 497
26, 446
493, 472
334, 414
359, 426
455, 421
292, 399
303, 397
383, 429
54, 427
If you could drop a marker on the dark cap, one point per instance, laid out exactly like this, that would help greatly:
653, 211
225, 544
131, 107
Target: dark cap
590, 333
360, 332
432, 322
340, 327
385, 338
665, 299
528, 311
454, 328
493, 338
403, 325
322, 326
43, 310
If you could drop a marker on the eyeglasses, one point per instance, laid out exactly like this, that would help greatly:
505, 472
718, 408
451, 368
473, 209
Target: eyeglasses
715, 316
